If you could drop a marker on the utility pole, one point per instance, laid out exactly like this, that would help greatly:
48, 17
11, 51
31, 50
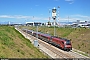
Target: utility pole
49, 15
33, 20
37, 32
68, 20
58, 14
49, 24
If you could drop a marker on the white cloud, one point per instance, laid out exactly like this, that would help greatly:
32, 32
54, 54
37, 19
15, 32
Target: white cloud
81, 17
36, 5
70, 1
14, 16
40, 18
6, 16
68, 19
23, 17
75, 18
71, 17
56, 0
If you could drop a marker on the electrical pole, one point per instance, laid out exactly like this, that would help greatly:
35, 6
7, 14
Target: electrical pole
49, 15
33, 20
37, 32
49, 24
58, 14
68, 20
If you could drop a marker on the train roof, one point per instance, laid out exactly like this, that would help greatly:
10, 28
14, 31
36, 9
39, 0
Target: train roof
65, 39
55, 37
24, 29
38, 32
60, 38
46, 35
29, 30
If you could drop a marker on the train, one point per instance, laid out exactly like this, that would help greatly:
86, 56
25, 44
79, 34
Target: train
62, 43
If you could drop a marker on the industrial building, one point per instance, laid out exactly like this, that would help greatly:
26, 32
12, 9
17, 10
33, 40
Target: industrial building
34, 24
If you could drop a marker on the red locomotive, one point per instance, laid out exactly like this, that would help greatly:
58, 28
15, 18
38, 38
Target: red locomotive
62, 43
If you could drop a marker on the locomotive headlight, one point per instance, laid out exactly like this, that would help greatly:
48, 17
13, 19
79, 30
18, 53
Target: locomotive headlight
65, 45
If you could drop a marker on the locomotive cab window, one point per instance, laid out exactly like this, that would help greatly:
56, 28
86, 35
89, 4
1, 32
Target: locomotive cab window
68, 42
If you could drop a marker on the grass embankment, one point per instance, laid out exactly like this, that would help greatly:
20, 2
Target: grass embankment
80, 37
14, 45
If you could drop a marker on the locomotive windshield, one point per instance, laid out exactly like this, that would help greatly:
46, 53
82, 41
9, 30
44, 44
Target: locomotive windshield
68, 42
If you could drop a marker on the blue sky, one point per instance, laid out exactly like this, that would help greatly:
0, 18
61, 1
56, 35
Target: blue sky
20, 11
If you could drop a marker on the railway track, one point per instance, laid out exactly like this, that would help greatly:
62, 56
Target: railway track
58, 53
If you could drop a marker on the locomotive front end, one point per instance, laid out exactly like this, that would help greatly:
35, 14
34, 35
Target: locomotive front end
68, 45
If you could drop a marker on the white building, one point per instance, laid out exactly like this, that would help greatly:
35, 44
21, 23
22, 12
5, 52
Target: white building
81, 24
34, 24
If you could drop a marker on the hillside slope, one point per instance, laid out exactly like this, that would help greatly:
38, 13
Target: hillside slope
14, 45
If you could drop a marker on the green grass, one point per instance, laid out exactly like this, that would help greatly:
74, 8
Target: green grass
82, 53
4, 38
15, 45
80, 37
